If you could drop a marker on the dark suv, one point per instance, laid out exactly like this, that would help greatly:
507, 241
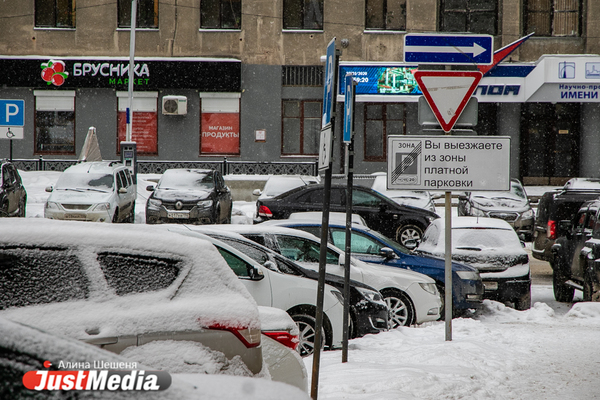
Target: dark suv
554, 206
398, 222
13, 197
577, 255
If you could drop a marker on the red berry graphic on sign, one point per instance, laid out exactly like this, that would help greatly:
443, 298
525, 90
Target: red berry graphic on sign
47, 364
53, 72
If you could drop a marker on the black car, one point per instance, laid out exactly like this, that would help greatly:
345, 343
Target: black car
577, 255
191, 196
402, 223
554, 206
368, 311
13, 197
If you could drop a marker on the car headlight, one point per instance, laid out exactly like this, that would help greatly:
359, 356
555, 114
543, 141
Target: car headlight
154, 203
52, 206
205, 203
527, 214
101, 207
370, 295
429, 287
476, 212
468, 275
338, 295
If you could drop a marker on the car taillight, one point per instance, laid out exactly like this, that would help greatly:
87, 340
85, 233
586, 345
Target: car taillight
551, 231
263, 211
249, 336
285, 338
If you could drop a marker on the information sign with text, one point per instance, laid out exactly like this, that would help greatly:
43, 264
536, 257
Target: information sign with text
449, 163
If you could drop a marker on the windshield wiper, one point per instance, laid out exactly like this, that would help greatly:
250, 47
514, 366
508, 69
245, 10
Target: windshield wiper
93, 190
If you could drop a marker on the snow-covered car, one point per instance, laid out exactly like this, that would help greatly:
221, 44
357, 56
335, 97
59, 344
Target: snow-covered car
368, 311
26, 353
582, 184
191, 196
492, 246
122, 286
278, 184
512, 206
412, 298
414, 198
372, 247
99, 191
292, 293
13, 196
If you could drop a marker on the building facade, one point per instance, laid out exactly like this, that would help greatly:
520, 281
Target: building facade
243, 79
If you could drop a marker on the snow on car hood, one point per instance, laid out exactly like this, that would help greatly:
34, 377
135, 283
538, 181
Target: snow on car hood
83, 196
181, 194
496, 201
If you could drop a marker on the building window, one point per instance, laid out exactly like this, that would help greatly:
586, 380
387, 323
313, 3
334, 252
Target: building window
221, 14
385, 15
301, 127
381, 120
303, 14
553, 17
55, 13
475, 16
147, 14
144, 121
54, 122
220, 124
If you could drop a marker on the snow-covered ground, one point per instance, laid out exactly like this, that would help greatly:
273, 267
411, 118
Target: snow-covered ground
551, 351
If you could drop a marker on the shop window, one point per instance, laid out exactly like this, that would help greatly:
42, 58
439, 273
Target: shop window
54, 122
147, 14
385, 15
55, 13
303, 14
144, 122
221, 14
220, 124
301, 127
381, 120
475, 16
553, 17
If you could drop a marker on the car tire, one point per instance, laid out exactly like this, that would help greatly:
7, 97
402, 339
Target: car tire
408, 232
524, 302
563, 293
308, 333
588, 287
22, 205
401, 309
131, 217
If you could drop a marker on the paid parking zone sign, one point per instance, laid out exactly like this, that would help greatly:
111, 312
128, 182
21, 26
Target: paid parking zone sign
449, 163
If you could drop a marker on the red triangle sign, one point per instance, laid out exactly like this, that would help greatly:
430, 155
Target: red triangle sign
447, 93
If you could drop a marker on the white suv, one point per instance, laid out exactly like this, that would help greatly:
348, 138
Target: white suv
99, 191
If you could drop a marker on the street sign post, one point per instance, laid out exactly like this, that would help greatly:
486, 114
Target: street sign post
348, 107
447, 93
448, 49
12, 119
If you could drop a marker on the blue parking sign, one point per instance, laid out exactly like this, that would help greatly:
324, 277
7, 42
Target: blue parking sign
330, 75
12, 112
348, 107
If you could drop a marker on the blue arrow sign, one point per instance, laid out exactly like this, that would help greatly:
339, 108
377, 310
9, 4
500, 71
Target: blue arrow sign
12, 112
348, 107
448, 49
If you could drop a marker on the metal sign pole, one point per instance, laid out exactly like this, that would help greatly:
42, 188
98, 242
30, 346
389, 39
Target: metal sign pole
132, 29
448, 267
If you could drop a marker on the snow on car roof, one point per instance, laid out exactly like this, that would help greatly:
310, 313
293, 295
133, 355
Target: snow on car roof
317, 217
477, 222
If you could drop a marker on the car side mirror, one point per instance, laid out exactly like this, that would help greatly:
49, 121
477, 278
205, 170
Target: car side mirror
387, 253
49, 189
271, 265
256, 192
122, 190
150, 188
255, 274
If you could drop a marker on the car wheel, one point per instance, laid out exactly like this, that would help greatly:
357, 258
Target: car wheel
131, 217
308, 333
588, 287
115, 218
524, 302
22, 205
562, 292
401, 309
408, 232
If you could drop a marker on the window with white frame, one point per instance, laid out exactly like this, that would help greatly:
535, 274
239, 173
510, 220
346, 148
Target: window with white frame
301, 129
553, 17
303, 14
385, 15
220, 124
55, 13
147, 14
475, 16
54, 121
221, 14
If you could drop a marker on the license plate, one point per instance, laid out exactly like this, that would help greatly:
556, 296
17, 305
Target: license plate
74, 216
178, 215
490, 285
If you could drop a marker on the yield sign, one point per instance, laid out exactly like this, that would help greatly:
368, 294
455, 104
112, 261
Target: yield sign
447, 93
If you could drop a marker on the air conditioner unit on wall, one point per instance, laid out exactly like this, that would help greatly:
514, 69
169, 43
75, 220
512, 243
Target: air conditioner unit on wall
174, 105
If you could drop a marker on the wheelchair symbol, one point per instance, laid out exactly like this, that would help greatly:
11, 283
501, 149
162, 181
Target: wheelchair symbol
10, 134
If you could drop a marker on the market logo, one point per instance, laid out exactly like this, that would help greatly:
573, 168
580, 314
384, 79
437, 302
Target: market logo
53, 72
97, 379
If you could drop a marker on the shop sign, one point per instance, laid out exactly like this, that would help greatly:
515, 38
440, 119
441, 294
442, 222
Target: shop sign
220, 133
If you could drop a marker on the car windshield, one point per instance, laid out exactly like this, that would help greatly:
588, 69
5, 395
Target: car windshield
489, 239
186, 180
389, 243
85, 181
518, 190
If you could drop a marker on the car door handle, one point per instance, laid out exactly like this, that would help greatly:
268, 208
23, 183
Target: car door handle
102, 340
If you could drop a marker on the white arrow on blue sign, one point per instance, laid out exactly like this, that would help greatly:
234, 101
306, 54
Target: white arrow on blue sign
448, 49
12, 112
